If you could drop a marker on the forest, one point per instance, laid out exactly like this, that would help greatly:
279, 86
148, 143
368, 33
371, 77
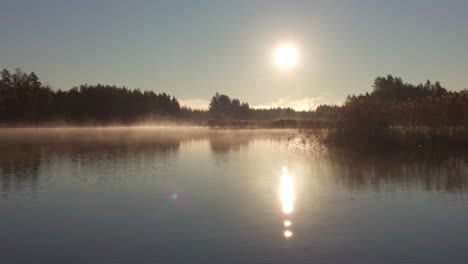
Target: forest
391, 105
398, 115
25, 100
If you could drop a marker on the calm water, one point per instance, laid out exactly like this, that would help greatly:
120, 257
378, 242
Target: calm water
166, 195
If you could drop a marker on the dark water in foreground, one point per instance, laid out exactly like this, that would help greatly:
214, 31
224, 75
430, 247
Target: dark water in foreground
147, 195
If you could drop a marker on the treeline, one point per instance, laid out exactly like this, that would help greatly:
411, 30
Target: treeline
398, 116
224, 108
392, 108
24, 99
393, 103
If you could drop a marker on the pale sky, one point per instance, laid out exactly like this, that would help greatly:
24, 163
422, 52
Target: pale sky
192, 49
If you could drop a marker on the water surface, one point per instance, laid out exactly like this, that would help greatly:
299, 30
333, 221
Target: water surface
185, 195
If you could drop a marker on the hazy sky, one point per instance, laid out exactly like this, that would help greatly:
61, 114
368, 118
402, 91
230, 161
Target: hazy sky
193, 48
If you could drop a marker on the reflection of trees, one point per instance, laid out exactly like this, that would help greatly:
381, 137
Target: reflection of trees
432, 171
19, 167
23, 152
224, 143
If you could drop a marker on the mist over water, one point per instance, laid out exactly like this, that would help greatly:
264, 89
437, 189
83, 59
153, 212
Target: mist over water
194, 195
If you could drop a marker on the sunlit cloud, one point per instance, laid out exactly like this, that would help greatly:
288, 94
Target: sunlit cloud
195, 103
302, 104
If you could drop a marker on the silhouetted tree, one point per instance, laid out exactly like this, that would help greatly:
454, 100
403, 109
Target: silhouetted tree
392, 89
222, 107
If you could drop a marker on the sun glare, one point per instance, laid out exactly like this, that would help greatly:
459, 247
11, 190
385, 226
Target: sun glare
287, 194
287, 197
286, 56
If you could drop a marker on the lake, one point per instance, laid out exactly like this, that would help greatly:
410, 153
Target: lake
193, 195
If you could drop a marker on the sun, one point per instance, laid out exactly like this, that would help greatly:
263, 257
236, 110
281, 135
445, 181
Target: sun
286, 56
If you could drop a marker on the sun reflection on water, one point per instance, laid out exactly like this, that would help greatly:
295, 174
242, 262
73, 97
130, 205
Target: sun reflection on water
287, 194
287, 197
